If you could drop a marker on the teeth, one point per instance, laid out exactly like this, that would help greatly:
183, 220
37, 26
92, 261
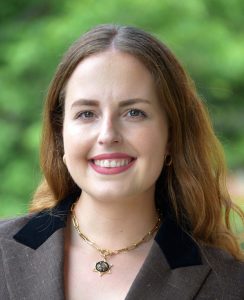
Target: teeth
108, 163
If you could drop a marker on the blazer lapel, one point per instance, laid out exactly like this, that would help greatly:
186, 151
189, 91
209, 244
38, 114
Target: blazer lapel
34, 274
156, 280
33, 261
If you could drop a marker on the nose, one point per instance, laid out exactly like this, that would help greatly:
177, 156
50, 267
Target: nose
109, 132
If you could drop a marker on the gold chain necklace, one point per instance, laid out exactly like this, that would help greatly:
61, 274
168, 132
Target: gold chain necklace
103, 267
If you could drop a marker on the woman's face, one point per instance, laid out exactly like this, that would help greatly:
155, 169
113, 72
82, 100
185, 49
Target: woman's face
115, 132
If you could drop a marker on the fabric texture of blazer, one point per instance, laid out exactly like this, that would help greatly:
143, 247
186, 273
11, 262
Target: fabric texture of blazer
31, 263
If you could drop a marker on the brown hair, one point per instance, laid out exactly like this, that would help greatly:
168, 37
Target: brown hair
194, 183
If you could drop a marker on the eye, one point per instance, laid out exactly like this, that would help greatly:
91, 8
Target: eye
136, 113
85, 115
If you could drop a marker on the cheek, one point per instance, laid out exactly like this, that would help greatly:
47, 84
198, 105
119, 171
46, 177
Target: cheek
151, 149
152, 142
75, 141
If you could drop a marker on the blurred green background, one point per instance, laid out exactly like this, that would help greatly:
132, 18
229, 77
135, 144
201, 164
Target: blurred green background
207, 36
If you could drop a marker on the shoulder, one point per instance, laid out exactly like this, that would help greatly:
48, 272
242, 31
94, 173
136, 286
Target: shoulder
221, 260
227, 273
8, 227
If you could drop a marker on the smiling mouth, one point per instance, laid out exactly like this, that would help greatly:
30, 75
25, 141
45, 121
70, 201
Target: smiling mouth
112, 163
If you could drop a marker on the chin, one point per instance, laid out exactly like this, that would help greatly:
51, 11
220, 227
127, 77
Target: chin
109, 195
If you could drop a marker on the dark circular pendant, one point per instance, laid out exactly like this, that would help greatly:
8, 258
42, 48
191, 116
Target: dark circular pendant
102, 266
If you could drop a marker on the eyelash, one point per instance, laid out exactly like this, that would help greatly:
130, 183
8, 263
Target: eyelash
83, 114
142, 113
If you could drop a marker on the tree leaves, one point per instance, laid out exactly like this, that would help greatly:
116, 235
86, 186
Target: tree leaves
207, 36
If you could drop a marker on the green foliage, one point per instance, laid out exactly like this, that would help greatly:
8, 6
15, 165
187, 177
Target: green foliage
207, 36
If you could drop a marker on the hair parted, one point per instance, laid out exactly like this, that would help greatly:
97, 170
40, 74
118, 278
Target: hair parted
194, 183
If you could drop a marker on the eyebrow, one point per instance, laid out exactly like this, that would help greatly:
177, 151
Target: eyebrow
133, 101
86, 102
123, 103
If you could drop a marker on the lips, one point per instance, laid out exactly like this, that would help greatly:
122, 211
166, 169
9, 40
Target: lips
111, 163
117, 155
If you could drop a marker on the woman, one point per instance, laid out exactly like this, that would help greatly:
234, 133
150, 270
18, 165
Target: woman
133, 194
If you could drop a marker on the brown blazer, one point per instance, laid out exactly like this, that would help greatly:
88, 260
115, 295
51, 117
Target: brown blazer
31, 263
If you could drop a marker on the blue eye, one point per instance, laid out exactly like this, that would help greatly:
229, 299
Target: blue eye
86, 115
136, 113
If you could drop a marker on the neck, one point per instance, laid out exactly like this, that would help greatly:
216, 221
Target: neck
114, 224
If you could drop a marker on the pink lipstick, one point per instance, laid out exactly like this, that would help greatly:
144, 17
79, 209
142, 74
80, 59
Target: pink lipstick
111, 163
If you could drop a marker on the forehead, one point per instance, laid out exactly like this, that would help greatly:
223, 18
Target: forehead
110, 60
113, 73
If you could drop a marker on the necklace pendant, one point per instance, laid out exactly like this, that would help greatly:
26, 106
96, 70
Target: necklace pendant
103, 267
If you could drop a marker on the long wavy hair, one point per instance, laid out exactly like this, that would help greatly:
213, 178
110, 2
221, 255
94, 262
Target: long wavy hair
195, 182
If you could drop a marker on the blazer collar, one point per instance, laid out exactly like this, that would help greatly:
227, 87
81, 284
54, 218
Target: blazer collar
178, 247
157, 280
34, 274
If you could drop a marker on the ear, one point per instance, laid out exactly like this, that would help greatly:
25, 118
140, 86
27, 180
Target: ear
64, 159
